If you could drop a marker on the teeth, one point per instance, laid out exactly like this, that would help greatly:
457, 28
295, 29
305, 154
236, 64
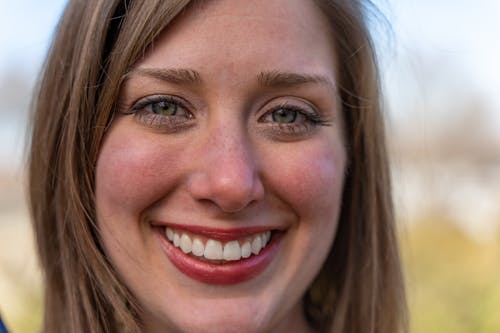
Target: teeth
170, 234
213, 250
186, 244
232, 251
177, 240
263, 240
267, 235
246, 250
198, 248
256, 245
216, 250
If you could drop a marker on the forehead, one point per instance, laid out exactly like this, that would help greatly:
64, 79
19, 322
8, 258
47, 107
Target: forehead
226, 35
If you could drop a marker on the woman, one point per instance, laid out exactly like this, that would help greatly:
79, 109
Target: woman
214, 166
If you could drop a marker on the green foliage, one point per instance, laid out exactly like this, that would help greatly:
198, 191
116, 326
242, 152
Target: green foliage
453, 280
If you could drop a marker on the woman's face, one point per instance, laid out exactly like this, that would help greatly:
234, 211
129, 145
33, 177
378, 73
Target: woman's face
218, 185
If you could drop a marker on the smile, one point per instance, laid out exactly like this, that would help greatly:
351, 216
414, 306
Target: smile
216, 256
212, 249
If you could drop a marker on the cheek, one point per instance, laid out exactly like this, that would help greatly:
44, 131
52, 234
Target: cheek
310, 180
132, 174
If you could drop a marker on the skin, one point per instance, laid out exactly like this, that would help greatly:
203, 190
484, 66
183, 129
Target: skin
223, 161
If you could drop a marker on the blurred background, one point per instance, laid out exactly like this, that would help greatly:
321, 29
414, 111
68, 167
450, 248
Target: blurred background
440, 63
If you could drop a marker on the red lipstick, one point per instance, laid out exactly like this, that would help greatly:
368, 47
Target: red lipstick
215, 233
227, 272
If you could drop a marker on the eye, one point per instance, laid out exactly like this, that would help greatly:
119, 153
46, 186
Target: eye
165, 108
284, 116
168, 106
288, 115
291, 121
164, 112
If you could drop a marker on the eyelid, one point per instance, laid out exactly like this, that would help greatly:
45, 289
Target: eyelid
298, 104
303, 110
157, 98
142, 110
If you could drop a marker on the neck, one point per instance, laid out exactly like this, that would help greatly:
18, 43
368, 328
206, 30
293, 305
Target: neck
295, 321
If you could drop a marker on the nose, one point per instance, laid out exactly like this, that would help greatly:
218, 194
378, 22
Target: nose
227, 173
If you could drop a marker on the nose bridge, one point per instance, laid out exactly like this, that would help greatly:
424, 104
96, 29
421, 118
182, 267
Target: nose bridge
228, 174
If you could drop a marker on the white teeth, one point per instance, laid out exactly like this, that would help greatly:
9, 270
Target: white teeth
263, 240
267, 234
246, 250
213, 250
198, 248
186, 243
256, 245
177, 240
232, 251
170, 234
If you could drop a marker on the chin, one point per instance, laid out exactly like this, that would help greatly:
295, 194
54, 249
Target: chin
224, 316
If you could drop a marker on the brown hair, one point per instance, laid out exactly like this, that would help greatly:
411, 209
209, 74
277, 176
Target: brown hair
360, 287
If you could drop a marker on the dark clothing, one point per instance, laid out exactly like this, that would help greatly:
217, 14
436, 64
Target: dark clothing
3, 329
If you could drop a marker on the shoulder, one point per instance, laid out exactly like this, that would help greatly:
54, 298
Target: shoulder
3, 329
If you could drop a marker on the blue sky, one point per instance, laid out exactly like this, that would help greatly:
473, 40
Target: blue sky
460, 39
25, 30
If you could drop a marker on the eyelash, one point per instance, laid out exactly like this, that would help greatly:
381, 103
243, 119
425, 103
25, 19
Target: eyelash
143, 111
312, 119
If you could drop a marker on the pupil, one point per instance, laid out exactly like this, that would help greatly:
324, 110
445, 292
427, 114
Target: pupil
284, 116
165, 108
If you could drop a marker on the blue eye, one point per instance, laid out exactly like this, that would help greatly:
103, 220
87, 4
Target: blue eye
165, 108
163, 112
284, 116
292, 121
291, 115
162, 105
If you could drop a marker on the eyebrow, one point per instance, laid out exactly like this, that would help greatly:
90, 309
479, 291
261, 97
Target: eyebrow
288, 79
179, 76
271, 79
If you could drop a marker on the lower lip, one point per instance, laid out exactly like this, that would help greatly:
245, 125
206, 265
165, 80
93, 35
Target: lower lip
230, 272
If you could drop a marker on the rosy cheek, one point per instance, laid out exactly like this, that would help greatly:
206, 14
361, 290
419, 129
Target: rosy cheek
133, 174
311, 179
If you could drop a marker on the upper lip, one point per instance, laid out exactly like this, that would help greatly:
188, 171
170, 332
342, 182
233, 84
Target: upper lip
223, 234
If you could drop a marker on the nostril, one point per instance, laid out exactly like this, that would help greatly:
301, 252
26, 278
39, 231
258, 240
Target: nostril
232, 197
229, 194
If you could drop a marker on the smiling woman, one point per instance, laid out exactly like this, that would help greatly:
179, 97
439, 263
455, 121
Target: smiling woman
214, 166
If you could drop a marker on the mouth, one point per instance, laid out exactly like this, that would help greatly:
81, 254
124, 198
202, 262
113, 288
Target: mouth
216, 256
